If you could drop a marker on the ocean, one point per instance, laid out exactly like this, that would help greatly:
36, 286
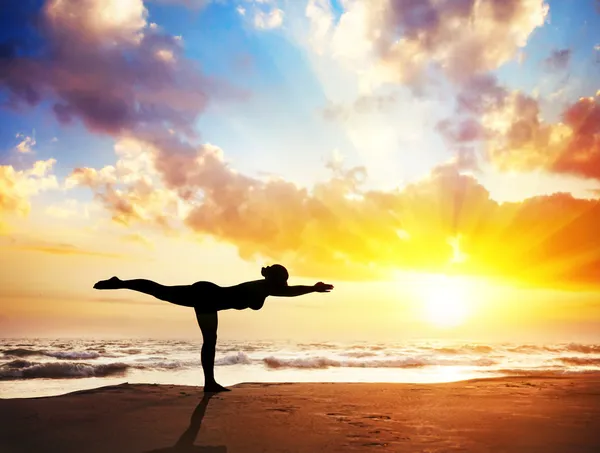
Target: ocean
45, 367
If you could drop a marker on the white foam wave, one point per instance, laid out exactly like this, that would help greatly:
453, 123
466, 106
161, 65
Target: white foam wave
583, 348
581, 361
360, 355
22, 352
74, 355
408, 362
58, 370
235, 359
465, 349
571, 347
161, 365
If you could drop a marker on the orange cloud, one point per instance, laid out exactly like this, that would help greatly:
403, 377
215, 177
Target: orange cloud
581, 152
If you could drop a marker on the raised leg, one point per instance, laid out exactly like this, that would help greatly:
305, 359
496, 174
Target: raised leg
208, 323
179, 295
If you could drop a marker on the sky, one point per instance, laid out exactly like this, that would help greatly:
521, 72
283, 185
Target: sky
438, 161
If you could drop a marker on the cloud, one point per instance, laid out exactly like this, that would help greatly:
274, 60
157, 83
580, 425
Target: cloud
558, 60
131, 189
262, 14
461, 131
268, 20
516, 137
69, 208
65, 249
26, 144
26, 243
138, 238
102, 63
18, 186
192, 4
406, 39
580, 153
379, 103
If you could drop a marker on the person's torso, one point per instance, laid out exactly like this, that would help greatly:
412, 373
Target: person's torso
245, 295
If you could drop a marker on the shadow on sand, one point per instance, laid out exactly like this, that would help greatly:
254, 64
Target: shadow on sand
185, 443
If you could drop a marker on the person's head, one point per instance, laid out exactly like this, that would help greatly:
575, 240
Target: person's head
276, 274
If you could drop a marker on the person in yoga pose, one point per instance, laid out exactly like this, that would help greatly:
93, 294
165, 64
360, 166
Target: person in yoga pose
207, 298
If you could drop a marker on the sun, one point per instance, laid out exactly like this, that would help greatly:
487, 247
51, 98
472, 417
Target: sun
445, 301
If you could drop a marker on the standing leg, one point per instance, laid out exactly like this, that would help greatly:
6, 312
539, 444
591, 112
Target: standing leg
208, 323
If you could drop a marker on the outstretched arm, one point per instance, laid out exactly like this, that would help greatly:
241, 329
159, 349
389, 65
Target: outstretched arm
299, 290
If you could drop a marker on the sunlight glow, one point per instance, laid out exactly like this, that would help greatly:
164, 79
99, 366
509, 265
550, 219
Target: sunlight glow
445, 301
458, 256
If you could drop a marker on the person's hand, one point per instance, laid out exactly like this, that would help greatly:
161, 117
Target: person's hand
323, 287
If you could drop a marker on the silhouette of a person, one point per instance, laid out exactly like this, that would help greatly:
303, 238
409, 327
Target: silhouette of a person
208, 298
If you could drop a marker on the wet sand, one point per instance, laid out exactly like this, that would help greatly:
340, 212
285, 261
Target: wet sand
545, 415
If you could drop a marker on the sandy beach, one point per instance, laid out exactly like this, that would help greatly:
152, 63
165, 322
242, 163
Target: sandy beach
548, 415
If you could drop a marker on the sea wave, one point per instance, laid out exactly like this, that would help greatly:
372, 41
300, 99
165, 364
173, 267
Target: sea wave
570, 347
581, 361
531, 349
53, 359
360, 355
316, 345
409, 362
22, 352
583, 348
465, 349
73, 355
235, 359
23, 369
164, 365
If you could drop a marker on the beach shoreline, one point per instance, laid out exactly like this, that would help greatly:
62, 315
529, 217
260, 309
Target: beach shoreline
592, 375
552, 414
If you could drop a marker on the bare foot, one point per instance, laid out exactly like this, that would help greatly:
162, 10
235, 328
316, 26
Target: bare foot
214, 388
111, 283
